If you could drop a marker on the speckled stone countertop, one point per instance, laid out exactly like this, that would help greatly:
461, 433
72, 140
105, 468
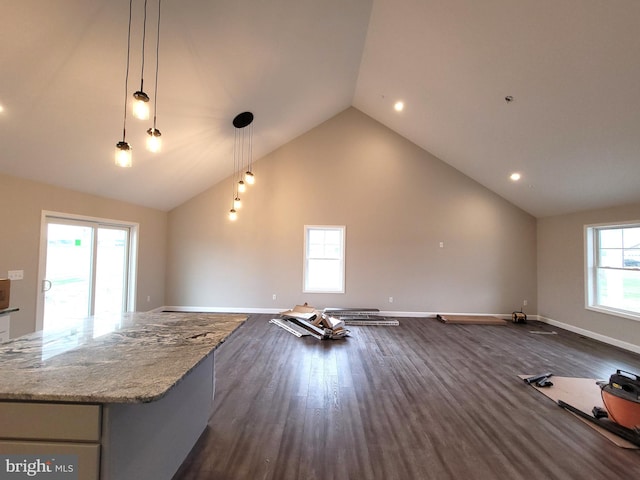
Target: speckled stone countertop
135, 358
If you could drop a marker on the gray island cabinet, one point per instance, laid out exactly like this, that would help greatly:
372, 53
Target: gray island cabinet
128, 396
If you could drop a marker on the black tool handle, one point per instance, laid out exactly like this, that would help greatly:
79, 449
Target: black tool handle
629, 375
619, 430
537, 378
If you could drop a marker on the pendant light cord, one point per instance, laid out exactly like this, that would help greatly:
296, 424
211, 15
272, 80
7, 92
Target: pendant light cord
126, 77
237, 174
144, 37
251, 147
155, 92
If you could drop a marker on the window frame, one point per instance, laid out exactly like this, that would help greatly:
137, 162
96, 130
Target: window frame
342, 267
591, 251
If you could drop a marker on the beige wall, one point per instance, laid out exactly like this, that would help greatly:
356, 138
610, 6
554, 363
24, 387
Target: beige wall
22, 203
561, 273
398, 203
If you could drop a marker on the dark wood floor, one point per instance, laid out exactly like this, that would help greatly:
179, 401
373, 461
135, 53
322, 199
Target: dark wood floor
423, 400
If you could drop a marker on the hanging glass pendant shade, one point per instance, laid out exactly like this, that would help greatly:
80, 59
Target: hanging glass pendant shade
141, 105
123, 154
154, 140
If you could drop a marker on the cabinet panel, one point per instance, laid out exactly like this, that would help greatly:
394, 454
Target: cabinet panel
50, 421
88, 454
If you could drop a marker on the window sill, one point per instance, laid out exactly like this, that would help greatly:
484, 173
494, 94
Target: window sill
615, 312
337, 291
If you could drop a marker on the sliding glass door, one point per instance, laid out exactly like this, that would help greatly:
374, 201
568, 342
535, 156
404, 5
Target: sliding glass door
87, 270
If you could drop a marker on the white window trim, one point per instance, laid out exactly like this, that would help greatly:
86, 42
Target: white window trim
590, 254
343, 228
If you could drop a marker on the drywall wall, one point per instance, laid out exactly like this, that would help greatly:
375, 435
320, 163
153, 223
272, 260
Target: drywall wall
21, 206
561, 274
398, 203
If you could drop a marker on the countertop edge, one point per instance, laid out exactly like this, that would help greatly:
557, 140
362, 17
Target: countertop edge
98, 399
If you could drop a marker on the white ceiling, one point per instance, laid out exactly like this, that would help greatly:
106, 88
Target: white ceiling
572, 67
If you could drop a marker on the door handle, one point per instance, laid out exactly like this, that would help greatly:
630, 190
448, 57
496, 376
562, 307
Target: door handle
46, 285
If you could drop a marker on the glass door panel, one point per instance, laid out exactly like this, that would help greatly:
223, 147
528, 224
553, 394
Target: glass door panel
68, 283
86, 272
111, 271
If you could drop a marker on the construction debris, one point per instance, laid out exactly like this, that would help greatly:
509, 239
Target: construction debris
303, 320
358, 316
290, 327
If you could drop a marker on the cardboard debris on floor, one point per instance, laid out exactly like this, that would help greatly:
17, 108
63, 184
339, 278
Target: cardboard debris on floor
303, 320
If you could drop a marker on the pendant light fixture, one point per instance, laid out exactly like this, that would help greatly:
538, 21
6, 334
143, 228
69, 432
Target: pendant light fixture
154, 142
141, 99
240, 152
123, 149
237, 203
242, 121
249, 177
244, 147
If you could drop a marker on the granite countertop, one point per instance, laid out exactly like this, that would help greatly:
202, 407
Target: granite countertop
135, 358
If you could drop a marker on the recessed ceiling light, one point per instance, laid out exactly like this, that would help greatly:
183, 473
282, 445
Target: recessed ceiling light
515, 176
399, 106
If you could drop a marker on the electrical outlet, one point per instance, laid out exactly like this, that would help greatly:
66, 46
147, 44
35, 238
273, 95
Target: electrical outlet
441, 244
524, 303
390, 299
275, 296
15, 274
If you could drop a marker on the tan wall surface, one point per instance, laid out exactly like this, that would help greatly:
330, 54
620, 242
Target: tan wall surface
561, 273
398, 203
21, 206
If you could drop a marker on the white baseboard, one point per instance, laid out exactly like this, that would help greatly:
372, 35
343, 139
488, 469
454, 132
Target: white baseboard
588, 333
218, 309
506, 316
389, 313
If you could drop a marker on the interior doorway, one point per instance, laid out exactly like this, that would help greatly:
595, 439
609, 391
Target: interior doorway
87, 268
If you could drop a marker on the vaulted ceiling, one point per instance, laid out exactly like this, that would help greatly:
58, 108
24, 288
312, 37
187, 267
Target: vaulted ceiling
572, 68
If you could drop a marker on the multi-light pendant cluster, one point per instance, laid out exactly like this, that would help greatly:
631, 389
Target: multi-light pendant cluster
141, 100
243, 123
242, 158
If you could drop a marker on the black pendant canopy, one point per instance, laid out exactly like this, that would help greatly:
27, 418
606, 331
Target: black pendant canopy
243, 119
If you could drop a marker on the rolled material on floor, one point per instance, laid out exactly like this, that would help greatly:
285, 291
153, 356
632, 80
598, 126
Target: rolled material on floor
471, 319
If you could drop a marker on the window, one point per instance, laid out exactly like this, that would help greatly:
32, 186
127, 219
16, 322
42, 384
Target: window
613, 269
324, 259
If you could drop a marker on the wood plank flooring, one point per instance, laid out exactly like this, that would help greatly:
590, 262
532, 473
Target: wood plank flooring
423, 400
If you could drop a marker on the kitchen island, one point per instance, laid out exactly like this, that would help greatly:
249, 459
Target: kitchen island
129, 395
